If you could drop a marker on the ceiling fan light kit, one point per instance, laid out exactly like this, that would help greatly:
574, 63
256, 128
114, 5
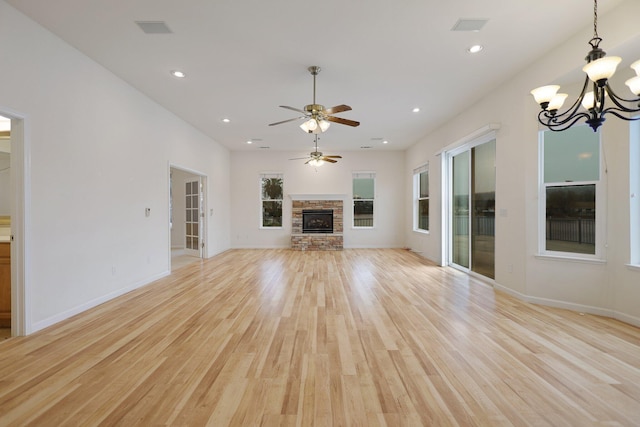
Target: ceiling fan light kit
315, 126
599, 69
317, 118
315, 162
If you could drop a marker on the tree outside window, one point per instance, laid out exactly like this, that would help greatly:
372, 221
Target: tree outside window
271, 198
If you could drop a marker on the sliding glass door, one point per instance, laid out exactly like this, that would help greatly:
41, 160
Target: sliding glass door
460, 220
472, 201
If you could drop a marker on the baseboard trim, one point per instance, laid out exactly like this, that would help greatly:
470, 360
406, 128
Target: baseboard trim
555, 303
50, 321
580, 308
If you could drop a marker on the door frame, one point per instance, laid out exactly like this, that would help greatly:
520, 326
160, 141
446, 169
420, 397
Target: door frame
203, 229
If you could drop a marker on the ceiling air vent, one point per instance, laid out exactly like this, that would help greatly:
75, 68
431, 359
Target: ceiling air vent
469, 24
154, 27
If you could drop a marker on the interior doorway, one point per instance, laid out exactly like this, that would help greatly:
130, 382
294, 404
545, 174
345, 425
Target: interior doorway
14, 194
187, 225
5, 227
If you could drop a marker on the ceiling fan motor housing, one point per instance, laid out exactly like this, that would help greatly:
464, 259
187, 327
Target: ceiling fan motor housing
314, 109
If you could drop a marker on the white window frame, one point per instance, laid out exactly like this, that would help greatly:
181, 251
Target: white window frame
363, 175
267, 175
600, 204
634, 194
416, 197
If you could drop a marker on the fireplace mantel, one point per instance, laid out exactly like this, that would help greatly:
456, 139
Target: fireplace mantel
318, 196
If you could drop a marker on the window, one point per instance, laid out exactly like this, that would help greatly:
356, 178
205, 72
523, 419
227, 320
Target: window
271, 194
363, 194
570, 190
421, 198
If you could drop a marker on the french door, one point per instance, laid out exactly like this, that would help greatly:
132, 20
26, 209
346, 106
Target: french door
471, 210
194, 214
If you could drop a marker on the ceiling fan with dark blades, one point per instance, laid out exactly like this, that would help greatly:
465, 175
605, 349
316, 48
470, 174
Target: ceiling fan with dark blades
318, 118
316, 158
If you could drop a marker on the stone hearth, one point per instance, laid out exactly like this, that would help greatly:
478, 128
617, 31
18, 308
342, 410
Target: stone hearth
316, 241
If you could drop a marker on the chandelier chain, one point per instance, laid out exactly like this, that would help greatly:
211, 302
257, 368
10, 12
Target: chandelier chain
595, 19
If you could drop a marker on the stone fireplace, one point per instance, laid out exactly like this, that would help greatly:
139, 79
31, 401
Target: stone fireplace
317, 222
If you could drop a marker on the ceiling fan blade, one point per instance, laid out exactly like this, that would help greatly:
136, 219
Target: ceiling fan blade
334, 157
286, 121
326, 159
307, 161
342, 121
300, 158
337, 109
294, 109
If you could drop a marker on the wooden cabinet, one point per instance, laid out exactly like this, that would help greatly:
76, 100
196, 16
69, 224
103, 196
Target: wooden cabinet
5, 284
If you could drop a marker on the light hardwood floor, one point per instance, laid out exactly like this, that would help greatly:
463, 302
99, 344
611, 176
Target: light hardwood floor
348, 338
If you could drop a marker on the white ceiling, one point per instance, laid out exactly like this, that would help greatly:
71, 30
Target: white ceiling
243, 58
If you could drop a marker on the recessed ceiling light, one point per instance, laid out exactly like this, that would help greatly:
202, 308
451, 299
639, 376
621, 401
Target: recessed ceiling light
385, 142
226, 120
249, 142
475, 48
178, 73
416, 110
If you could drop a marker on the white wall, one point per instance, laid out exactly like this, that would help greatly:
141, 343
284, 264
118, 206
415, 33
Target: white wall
609, 288
99, 154
327, 179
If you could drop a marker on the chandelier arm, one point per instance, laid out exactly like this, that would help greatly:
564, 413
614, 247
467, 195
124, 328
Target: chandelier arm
557, 126
615, 112
571, 111
615, 98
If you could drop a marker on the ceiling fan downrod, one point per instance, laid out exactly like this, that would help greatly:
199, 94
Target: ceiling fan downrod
314, 70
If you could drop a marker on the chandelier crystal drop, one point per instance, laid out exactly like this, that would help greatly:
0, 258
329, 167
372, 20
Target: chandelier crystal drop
591, 104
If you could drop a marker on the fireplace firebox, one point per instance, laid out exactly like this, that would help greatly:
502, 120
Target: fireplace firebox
317, 221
